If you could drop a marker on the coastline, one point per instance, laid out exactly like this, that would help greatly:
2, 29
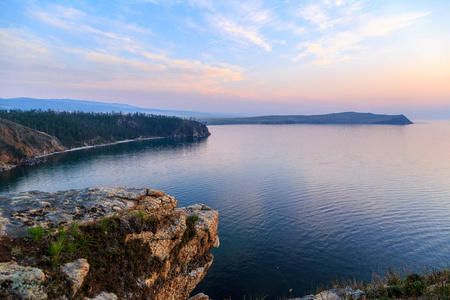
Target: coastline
39, 159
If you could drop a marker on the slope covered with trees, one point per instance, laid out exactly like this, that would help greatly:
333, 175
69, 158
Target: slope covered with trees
75, 129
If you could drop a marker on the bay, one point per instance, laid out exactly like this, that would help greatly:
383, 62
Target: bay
298, 204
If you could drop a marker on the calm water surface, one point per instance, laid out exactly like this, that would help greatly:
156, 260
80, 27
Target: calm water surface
298, 203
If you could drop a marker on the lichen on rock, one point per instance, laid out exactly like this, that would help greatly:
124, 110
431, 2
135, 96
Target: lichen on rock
21, 282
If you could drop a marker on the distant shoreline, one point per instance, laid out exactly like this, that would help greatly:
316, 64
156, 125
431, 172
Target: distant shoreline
39, 159
345, 118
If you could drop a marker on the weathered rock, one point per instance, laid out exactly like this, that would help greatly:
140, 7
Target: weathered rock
174, 242
21, 282
35, 208
308, 297
164, 240
76, 272
199, 296
333, 294
103, 296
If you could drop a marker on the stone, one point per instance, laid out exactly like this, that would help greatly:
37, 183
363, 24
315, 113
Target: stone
76, 272
3, 223
199, 296
333, 294
355, 294
154, 193
103, 296
22, 282
216, 242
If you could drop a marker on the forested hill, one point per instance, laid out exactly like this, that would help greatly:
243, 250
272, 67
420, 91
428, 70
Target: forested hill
75, 129
346, 118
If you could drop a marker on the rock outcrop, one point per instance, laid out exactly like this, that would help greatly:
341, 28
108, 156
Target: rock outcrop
103, 243
191, 128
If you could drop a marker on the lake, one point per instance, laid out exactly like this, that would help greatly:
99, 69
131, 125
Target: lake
298, 204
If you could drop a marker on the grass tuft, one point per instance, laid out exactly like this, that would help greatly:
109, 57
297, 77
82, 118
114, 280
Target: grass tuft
57, 247
36, 233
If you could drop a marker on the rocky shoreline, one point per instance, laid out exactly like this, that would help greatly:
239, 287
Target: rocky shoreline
103, 243
40, 159
30, 162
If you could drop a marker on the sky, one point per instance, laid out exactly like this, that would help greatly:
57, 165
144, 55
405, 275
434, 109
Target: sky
246, 56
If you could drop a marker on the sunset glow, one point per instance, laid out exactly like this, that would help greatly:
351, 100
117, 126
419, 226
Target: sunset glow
249, 57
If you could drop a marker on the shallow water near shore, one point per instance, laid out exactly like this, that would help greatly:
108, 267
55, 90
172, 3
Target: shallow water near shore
297, 203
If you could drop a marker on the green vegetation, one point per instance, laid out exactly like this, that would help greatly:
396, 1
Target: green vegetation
36, 233
194, 218
408, 284
190, 232
57, 247
75, 129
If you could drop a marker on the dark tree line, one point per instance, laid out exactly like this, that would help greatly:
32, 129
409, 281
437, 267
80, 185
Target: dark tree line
75, 129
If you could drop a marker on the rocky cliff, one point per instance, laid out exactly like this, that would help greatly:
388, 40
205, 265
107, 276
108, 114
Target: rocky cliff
103, 243
18, 144
191, 129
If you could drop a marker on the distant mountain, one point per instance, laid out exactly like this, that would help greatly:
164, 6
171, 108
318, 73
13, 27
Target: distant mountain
18, 144
336, 118
91, 106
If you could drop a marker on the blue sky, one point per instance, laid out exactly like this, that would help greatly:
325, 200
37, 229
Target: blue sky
230, 56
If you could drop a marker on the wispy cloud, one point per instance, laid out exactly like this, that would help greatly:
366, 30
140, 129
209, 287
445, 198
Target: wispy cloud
241, 22
243, 34
20, 50
78, 22
328, 13
348, 28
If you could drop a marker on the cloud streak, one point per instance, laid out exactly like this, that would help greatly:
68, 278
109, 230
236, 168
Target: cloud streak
354, 28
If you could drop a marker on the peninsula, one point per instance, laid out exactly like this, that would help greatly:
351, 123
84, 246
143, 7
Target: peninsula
26, 135
345, 118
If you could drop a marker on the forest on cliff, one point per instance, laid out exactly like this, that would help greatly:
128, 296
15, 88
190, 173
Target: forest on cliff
75, 129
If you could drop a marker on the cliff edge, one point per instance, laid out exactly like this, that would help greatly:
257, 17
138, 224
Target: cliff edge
103, 243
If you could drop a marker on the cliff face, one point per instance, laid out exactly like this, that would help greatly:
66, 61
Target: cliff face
191, 129
106, 242
19, 143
